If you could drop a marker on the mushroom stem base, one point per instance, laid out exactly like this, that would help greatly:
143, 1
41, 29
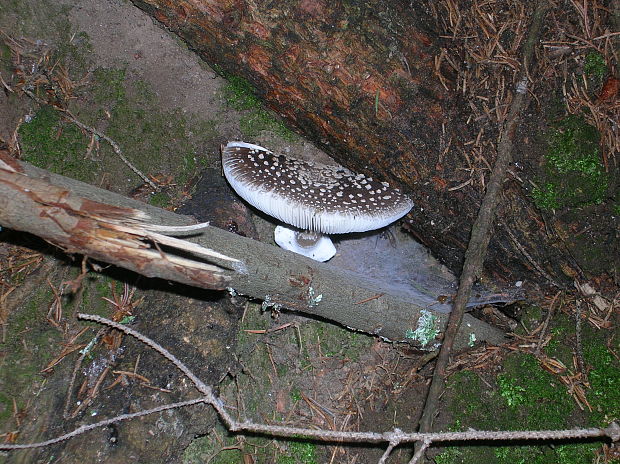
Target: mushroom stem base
311, 244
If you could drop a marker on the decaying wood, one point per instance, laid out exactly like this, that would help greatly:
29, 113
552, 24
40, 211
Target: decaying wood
365, 81
112, 228
116, 235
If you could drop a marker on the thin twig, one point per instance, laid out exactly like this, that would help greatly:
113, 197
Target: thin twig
420, 452
579, 348
387, 453
530, 259
480, 235
543, 330
393, 438
76, 367
103, 423
115, 147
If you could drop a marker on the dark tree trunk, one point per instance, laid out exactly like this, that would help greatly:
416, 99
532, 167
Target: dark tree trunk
359, 79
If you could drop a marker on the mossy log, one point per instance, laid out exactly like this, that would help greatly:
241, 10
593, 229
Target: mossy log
114, 229
360, 79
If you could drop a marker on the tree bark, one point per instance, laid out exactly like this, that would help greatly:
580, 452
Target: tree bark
113, 234
84, 219
360, 80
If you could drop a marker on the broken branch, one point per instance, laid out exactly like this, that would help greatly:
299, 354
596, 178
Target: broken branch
106, 226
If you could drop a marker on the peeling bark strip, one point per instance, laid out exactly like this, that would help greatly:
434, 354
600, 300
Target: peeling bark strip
53, 207
107, 233
359, 78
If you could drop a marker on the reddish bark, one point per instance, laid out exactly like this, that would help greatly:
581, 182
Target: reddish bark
359, 79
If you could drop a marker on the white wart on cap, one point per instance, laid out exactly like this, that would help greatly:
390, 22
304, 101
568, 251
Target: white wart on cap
309, 195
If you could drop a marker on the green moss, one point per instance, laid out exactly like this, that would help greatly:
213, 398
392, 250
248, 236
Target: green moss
451, 455
562, 454
74, 51
156, 141
463, 407
26, 317
604, 377
5, 59
210, 448
282, 370
26, 350
240, 95
263, 450
334, 341
295, 394
573, 173
109, 85
97, 287
48, 21
263, 354
546, 196
56, 145
558, 348
594, 66
6, 408
577, 454
144, 92
254, 319
532, 315
256, 121
160, 199
527, 398
575, 147
101, 284
300, 453
31, 341
546, 404
510, 391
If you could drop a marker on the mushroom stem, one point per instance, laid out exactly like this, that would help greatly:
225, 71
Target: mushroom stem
311, 244
307, 239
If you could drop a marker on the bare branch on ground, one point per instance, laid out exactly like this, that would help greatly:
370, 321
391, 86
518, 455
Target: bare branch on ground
80, 218
393, 438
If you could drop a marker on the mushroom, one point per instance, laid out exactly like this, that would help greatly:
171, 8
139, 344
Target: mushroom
313, 197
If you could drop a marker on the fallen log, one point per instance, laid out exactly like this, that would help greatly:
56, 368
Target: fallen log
84, 219
364, 81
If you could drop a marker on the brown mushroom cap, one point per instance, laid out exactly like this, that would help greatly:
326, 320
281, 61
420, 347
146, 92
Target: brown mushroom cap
311, 195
